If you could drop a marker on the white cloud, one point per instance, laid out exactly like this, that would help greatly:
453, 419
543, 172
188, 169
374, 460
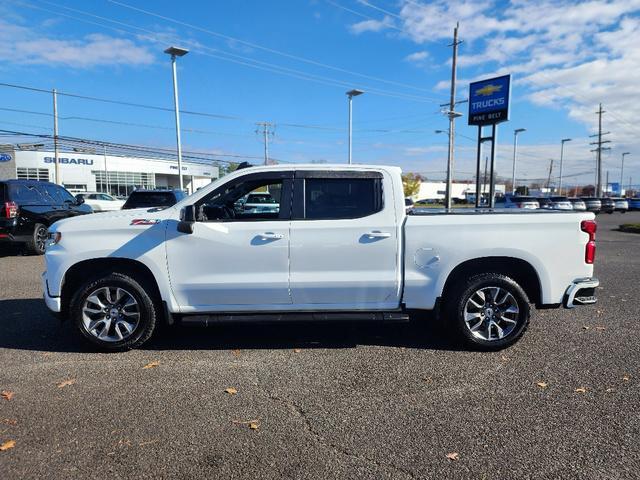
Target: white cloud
565, 54
24, 45
417, 57
372, 25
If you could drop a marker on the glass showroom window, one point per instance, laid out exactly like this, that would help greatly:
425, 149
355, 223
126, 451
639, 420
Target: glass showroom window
41, 174
123, 183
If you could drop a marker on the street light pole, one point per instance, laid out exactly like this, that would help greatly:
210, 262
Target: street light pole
562, 142
56, 158
515, 151
177, 52
350, 94
622, 171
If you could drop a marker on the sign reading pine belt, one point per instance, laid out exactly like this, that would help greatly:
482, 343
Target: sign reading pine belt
489, 101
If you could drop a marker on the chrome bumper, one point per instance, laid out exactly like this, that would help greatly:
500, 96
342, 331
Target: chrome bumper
53, 303
581, 292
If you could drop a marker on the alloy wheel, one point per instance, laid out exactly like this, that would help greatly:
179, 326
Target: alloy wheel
110, 314
491, 313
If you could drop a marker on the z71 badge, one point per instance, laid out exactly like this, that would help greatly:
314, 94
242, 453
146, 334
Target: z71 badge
144, 221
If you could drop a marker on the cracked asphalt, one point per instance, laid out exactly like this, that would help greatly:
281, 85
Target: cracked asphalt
338, 401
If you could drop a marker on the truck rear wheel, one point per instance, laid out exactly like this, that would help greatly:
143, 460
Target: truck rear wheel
114, 312
490, 311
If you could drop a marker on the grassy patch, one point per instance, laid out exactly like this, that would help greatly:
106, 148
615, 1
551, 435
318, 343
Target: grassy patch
630, 227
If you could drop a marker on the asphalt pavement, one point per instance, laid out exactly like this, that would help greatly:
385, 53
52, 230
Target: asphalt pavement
329, 401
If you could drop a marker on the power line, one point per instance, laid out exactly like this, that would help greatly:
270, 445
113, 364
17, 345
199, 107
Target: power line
119, 102
238, 59
266, 49
355, 12
154, 107
75, 141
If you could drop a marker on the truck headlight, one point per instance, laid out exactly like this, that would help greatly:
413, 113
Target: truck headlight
54, 238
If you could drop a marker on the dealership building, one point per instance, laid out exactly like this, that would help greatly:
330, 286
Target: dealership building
118, 175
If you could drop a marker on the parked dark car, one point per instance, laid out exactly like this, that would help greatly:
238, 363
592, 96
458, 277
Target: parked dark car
608, 205
153, 198
634, 203
28, 207
593, 204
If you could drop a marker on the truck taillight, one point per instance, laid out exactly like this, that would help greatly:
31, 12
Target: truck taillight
590, 227
10, 209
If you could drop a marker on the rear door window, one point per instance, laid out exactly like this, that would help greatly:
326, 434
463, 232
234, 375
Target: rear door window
27, 194
341, 198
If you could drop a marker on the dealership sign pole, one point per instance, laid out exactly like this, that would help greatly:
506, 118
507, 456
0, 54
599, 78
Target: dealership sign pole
488, 106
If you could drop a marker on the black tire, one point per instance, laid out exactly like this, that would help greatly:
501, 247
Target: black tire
148, 312
460, 294
38, 241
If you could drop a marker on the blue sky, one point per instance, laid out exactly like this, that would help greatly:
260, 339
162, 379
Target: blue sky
290, 62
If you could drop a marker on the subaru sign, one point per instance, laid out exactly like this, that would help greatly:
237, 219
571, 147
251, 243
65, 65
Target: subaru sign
5, 157
489, 101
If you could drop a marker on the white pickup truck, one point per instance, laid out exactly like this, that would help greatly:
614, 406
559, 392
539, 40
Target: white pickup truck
339, 245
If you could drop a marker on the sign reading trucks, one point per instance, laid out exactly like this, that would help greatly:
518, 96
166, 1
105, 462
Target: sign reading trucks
489, 101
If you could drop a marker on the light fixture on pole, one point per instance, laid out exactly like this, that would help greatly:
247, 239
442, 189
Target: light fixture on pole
352, 93
562, 142
176, 52
622, 171
515, 153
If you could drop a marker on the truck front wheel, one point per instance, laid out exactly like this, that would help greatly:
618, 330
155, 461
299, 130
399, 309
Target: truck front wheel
490, 311
114, 312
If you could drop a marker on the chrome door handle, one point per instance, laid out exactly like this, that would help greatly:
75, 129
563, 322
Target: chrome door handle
376, 234
271, 236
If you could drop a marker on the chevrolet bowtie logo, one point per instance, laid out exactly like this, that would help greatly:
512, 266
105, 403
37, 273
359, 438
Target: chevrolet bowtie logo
488, 90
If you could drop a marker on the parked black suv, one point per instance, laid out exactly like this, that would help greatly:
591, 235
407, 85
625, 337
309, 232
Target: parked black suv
28, 207
153, 198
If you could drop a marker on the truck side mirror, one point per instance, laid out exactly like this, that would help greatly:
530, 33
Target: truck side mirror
187, 219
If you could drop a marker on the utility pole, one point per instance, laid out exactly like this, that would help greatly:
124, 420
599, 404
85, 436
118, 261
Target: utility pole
452, 116
598, 151
55, 137
562, 142
606, 187
515, 151
622, 172
106, 172
265, 129
549, 179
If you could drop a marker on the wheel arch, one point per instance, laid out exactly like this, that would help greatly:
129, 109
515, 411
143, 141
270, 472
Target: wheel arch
78, 273
521, 271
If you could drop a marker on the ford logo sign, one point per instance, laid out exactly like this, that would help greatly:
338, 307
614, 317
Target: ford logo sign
4, 157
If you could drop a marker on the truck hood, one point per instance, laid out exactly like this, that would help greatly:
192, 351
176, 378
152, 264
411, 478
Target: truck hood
119, 219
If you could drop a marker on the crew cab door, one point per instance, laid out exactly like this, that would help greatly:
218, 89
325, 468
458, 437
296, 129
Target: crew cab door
344, 241
236, 258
